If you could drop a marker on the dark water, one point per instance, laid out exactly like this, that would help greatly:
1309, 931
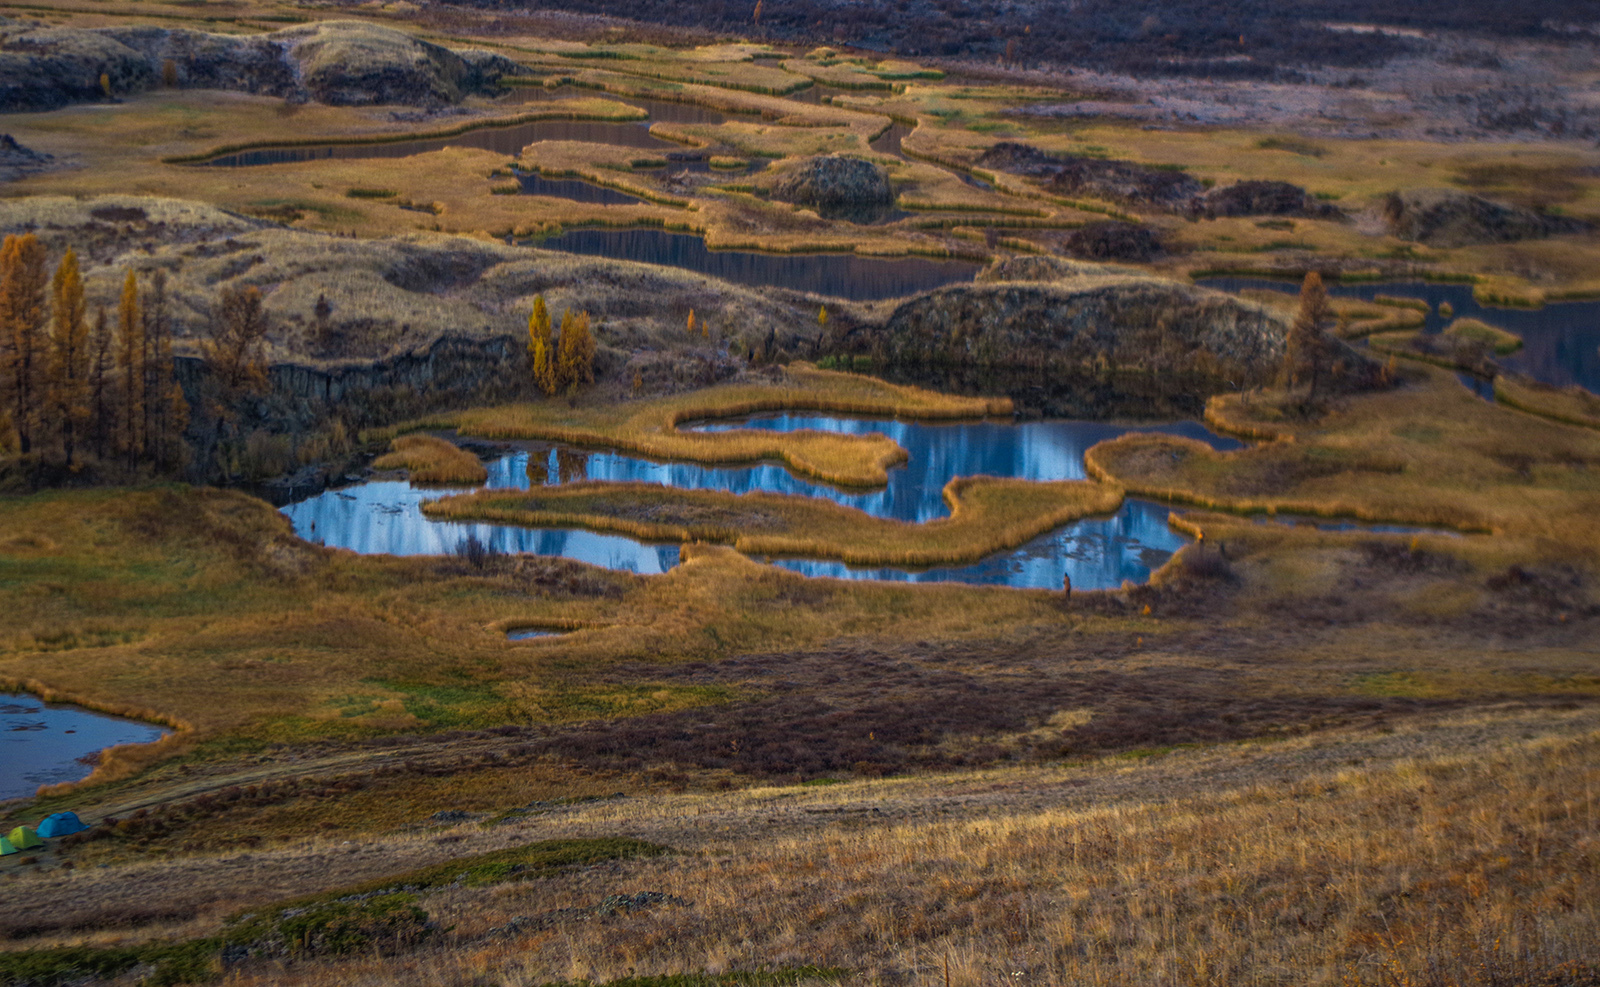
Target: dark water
575, 189
888, 142
1560, 342
840, 275
40, 742
1097, 552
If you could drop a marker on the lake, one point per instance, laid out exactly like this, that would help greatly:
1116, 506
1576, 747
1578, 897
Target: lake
384, 516
48, 743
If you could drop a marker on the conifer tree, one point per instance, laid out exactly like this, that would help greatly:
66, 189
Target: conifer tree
23, 279
235, 364
691, 322
101, 401
576, 361
131, 367
166, 409
1303, 356
69, 355
541, 354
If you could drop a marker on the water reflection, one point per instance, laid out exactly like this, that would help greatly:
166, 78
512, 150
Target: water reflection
1560, 342
46, 744
840, 275
385, 516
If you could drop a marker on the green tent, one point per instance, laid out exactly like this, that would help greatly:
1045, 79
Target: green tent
6, 849
24, 838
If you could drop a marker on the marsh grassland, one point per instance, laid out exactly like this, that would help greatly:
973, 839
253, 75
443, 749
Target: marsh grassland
1345, 737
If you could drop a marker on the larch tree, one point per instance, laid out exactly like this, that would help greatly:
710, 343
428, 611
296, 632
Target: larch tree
69, 355
575, 364
131, 346
102, 403
541, 354
1303, 356
235, 360
23, 278
166, 409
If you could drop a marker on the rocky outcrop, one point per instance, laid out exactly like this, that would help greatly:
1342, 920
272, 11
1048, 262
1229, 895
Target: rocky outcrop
1112, 240
338, 62
1450, 218
1044, 267
17, 161
1098, 178
1260, 198
1109, 321
837, 187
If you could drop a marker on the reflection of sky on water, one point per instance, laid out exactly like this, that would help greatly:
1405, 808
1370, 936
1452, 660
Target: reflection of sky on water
40, 742
384, 516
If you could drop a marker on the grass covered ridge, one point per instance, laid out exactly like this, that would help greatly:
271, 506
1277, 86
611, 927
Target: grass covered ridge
1426, 453
987, 515
651, 427
1573, 405
430, 459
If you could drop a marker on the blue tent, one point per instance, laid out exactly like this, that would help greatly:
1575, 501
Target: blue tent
61, 824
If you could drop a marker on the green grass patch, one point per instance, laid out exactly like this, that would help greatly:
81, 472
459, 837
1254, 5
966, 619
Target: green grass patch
370, 193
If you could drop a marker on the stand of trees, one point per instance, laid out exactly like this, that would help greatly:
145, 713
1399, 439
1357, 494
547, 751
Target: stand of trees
564, 363
71, 389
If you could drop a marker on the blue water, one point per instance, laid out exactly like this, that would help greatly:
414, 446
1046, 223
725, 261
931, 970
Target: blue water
42, 743
840, 275
385, 517
1560, 342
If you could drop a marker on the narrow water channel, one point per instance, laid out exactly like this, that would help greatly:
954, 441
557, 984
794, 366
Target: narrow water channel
48, 743
1560, 342
840, 275
385, 516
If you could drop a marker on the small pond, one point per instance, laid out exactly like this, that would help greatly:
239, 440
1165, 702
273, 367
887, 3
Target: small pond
1560, 342
840, 275
47, 743
530, 634
385, 515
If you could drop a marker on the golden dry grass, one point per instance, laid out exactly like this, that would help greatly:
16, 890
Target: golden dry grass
1573, 405
651, 427
430, 459
1475, 330
1427, 453
987, 515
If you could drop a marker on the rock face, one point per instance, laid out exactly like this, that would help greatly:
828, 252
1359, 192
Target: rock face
1115, 181
16, 160
1088, 322
837, 187
339, 62
1113, 240
1449, 218
1257, 198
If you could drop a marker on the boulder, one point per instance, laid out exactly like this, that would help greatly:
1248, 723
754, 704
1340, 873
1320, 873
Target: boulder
837, 186
1261, 198
1451, 218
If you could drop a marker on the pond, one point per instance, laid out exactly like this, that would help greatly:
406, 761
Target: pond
841, 275
1560, 342
48, 743
1098, 553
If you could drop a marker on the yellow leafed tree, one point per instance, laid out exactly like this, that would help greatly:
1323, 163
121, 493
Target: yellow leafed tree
575, 361
69, 355
23, 278
540, 353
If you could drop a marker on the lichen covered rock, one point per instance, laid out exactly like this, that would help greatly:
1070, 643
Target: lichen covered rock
836, 186
1451, 218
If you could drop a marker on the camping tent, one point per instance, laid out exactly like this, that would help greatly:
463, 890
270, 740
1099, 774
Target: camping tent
61, 824
6, 849
24, 838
